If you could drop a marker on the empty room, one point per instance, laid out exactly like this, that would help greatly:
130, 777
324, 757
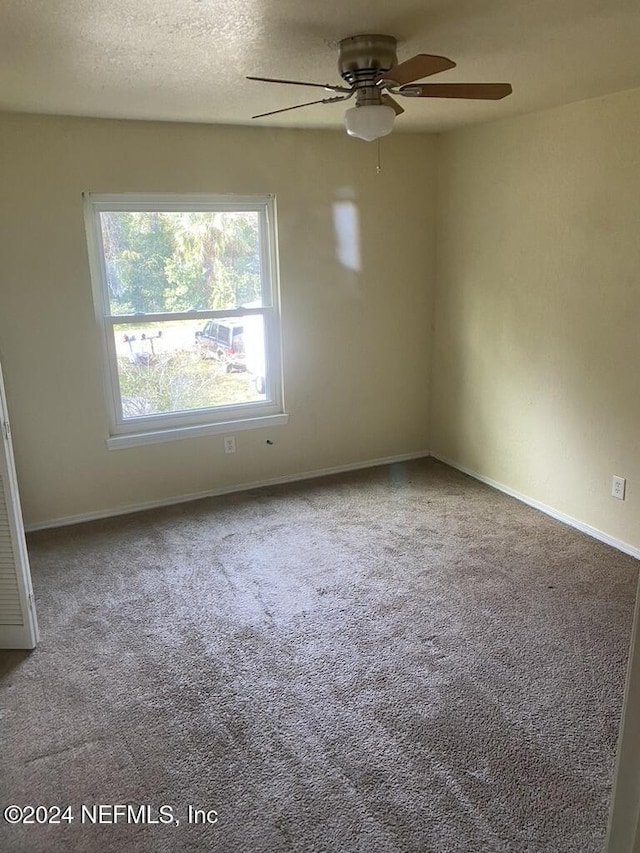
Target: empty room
320, 483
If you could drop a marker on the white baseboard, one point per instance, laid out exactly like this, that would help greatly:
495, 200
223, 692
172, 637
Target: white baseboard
339, 469
547, 510
226, 490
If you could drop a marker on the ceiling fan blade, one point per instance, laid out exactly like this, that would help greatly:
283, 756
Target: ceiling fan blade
328, 86
297, 106
477, 91
419, 66
388, 101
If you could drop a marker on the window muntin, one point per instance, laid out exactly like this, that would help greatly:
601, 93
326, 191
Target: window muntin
184, 290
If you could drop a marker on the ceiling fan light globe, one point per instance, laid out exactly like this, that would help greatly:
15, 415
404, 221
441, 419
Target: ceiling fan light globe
369, 122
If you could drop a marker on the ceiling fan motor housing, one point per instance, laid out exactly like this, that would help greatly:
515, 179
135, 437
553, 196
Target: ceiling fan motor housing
362, 58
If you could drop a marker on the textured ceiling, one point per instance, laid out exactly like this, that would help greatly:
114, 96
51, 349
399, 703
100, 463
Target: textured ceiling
185, 60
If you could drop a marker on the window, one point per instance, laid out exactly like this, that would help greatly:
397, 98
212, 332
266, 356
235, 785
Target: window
185, 291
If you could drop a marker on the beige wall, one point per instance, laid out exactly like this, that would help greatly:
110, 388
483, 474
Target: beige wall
536, 350
356, 344
536, 381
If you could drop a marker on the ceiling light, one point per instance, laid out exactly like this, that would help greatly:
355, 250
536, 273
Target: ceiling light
369, 122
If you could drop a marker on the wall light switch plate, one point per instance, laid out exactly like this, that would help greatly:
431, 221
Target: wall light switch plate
618, 486
230, 444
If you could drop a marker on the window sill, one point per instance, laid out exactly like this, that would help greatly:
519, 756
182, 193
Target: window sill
120, 442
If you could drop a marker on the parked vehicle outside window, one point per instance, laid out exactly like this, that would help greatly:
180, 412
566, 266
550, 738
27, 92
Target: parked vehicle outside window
224, 340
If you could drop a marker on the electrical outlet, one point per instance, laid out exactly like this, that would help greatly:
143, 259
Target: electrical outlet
230, 444
618, 488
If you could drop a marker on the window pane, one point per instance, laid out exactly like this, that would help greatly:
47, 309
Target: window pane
182, 365
162, 261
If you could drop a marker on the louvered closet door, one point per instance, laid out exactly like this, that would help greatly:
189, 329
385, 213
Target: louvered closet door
18, 626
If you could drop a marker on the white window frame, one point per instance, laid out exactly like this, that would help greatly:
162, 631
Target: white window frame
150, 429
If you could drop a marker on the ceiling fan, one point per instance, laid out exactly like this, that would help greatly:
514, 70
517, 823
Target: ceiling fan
369, 65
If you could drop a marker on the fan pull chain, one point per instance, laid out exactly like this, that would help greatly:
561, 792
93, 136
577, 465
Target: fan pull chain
378, 166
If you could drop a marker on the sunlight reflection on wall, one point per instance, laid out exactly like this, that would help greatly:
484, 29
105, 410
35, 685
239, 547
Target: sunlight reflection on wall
346, 223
